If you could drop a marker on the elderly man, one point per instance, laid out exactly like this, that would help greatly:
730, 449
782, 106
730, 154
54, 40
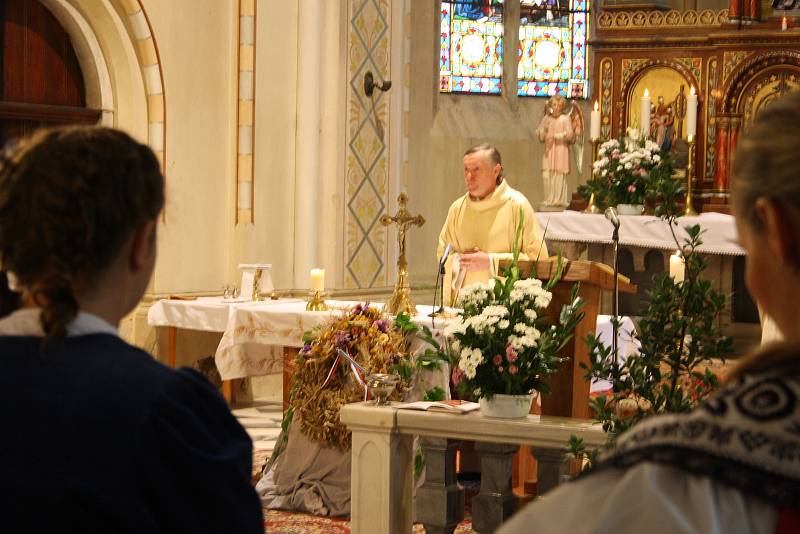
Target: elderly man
481, 225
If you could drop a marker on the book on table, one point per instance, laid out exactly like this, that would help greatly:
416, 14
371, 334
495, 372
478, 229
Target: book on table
447, 406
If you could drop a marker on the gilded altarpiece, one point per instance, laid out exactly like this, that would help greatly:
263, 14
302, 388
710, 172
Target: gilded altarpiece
736, 69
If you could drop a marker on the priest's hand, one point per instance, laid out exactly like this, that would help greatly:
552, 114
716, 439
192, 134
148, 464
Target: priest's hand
475, 261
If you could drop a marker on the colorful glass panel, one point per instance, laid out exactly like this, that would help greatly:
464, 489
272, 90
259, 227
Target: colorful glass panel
471, 53
552, 48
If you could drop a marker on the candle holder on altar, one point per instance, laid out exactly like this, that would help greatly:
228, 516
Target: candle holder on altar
316, 302
689, 210
592, 207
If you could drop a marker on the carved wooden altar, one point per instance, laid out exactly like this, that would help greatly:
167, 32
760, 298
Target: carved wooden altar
737, 65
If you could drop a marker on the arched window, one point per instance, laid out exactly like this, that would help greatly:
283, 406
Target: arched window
42, 83
471, 58
552, 48
551, 56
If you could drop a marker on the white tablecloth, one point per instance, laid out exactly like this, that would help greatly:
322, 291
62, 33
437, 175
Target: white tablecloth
626, 344
254, 333
719, 236
242, 351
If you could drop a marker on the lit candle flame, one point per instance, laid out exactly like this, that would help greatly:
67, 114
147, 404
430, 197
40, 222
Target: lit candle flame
646, 93
692, 91
596, 105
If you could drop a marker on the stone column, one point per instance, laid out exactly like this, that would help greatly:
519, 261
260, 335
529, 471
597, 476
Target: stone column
307, 182
495, 502
440, 500
549, 462
381, 481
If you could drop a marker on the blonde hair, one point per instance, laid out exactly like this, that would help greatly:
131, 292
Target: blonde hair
767, 160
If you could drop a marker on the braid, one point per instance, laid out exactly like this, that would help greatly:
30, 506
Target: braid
69, 199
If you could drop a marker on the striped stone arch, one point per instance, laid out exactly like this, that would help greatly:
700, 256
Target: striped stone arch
108, 36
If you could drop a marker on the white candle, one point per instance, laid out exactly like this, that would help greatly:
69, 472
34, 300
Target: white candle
784, 24
691, 114
645, 115
594, 130
318, 280
676, 267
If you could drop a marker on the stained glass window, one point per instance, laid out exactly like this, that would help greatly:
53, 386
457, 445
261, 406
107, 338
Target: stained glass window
471, 54
552, 48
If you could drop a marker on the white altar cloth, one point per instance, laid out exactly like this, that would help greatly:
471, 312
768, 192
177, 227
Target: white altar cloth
209, 314
251, 329
719, 230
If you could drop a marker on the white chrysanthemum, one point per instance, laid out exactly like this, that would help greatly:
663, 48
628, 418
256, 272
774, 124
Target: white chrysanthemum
456, 327
476, 357
456, 345
543, 300
531, 314
499, 311
656, 158
503, 324
520, 328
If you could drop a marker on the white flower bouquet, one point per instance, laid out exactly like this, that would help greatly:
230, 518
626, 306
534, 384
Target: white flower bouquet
502, 343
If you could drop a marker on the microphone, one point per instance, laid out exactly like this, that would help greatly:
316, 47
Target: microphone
447, 250
611, 215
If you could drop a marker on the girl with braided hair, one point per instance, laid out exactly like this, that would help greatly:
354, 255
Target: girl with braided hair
99, 436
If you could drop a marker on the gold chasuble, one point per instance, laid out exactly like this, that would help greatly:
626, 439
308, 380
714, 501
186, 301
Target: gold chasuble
489, 226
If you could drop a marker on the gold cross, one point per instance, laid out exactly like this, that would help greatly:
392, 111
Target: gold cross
401, 300
403, 219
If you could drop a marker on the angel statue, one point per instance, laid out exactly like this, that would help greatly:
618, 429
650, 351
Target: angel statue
559, 131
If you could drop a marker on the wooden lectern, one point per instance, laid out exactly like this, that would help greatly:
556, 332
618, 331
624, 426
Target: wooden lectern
570, 392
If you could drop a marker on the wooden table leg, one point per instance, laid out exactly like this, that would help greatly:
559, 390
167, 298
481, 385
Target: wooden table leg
172, 334
289, 354
227, 391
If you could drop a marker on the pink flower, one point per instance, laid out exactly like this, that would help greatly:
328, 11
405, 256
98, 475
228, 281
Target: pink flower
500, 368
497, 360
511, 354
457, 376
631, 188
615, 154
513, 369
642, 172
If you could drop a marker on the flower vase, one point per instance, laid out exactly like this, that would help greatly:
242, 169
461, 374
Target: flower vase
507, 406
630, 209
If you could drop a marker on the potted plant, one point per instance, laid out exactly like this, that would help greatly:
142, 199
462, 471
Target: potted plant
625, 173
502, 347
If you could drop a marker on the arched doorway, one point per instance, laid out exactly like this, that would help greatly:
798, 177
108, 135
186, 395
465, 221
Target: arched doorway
42, 82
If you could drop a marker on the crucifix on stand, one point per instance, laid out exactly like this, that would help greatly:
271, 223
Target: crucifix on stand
400, 300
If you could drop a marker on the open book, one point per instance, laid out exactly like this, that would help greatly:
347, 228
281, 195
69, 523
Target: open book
448, 406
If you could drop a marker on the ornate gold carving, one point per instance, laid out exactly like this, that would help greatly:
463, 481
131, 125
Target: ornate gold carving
606, 83
731, 60
635, 20
694, 65
712, 91
630, 67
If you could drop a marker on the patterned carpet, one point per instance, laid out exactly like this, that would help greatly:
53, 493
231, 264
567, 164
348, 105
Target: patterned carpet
288, 523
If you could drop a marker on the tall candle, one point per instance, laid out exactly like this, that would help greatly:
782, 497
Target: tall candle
676, 267
318, 280
594, 130
645, 115
691, 114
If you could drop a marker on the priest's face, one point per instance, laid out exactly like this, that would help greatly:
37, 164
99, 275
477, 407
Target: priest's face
480, 175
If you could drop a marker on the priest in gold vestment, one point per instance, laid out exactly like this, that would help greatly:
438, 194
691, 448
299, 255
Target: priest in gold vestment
481, 225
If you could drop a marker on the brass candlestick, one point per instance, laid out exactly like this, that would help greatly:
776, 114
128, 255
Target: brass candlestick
400, 301
592, 207
256, 282
689, 210
316, 302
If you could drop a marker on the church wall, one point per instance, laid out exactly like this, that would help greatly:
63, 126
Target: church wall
196, 43
269, 238
442, 126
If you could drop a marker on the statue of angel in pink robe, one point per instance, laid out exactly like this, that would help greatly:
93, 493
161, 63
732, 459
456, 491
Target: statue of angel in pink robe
558, 131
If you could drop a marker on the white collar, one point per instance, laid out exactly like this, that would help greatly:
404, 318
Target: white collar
25, 322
